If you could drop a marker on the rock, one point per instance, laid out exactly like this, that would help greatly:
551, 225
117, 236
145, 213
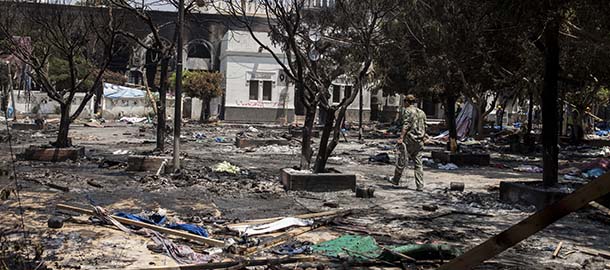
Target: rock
456, 186
55, 222
430, 207
331, 204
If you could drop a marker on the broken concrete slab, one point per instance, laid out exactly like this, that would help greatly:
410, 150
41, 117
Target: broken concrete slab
143, 163
317, 182
38, 153
256, 142
461, 159
530, 193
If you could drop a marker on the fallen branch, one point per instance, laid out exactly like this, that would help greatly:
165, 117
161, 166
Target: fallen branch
186, 235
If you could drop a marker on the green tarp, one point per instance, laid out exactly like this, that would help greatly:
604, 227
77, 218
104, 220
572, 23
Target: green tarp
364, 248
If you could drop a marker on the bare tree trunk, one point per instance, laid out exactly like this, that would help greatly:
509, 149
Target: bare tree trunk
64, 127
550, 154
306, 151
321, 157
99, 95
161, 110
450, 120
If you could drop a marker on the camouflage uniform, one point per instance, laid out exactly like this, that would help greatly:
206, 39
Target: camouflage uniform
414, 121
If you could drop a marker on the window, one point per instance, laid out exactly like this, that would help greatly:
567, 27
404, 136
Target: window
253, 90
267, 85
336, 94
348, 91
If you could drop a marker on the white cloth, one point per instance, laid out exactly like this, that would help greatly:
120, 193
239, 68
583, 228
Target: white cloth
271, 227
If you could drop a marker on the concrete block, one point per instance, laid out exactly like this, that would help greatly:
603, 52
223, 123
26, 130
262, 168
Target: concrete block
319, 182
461, 159
146, 163
255, 142
27, 126
530, 193
53, 154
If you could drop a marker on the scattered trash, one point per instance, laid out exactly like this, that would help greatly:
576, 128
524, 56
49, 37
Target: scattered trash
428, 162
365, 248
199, 136
448, 167
293, 248
528, 168
248, 230
594, 173
380, 158
226, 167
132, 120
55, 222
121, 152
572, 178
220, 140
456, 186
160, 219
429, 207
365, 192
252, 129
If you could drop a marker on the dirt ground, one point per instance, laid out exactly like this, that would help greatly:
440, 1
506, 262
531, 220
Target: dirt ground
198, 195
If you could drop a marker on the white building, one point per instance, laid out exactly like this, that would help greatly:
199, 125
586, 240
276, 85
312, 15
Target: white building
256, 88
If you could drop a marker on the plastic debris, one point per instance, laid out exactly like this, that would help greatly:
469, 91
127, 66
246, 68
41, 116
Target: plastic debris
365, 248
199, 136
448, 167
594, 173
528, 168
271, 227
121, 152
252, 129
226, 167
381, 158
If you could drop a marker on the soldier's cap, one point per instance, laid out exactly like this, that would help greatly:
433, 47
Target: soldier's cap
410, 97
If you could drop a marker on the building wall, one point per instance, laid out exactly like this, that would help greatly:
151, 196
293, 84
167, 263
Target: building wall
242, 61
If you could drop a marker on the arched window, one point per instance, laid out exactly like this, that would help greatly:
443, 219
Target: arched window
198, 50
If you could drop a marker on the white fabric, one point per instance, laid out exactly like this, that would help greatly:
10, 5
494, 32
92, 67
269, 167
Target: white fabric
271, 227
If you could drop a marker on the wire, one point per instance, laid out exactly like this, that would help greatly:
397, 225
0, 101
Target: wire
17, 187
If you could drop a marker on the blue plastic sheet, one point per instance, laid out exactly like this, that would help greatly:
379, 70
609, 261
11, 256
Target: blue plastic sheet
194, 229
158, 220
116, 91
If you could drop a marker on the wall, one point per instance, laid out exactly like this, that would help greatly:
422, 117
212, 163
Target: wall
40, 103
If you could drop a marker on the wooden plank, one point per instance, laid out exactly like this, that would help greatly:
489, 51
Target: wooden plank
531, 225
243, 263
557, 249
186, 235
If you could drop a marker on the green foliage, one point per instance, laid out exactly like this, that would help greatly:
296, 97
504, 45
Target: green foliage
59, 73
200, 84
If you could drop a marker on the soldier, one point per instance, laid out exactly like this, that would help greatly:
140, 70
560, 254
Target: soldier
411, 142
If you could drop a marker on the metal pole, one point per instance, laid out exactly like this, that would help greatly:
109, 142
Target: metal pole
178, 100
361, 101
